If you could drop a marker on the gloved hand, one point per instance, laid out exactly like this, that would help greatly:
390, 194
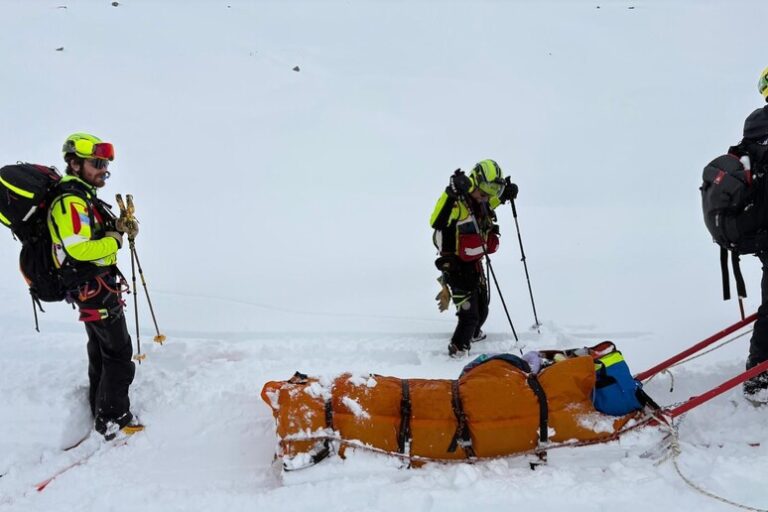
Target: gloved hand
133, 230
443, 298
117, 236
510, 191
459, 185
129, 227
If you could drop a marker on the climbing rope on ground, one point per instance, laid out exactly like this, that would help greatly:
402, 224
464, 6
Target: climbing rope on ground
673, 452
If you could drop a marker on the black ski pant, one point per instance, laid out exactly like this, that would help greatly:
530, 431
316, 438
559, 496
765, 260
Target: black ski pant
110, 368
470, 296
758, 344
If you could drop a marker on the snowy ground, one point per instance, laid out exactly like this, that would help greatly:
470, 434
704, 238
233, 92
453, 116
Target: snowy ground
210, 439
284, 227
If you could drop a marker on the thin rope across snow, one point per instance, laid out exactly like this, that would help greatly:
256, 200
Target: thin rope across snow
674, 452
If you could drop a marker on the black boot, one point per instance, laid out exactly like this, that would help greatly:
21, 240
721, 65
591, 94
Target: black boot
756, 389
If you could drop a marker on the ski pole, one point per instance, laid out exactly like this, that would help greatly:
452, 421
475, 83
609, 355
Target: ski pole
129, 223
465, 203
125, 221
139, 356
159, 338
525, 265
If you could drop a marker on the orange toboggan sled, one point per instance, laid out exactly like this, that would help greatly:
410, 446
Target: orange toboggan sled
494, 409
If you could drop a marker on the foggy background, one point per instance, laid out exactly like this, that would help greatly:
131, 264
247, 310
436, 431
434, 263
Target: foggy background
272, 200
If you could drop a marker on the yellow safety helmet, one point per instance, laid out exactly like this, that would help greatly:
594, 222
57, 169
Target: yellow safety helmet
487, 176
85, 145
762, 84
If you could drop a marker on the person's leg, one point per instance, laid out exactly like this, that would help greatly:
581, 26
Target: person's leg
482, 307
464, 279
468, 313
94, 367
111, 368
118, 370
758, 344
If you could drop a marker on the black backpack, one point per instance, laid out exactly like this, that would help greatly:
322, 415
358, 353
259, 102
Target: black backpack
735, 206
26, 191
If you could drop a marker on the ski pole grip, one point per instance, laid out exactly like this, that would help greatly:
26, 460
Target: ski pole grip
514, 209
120, 203
130, 208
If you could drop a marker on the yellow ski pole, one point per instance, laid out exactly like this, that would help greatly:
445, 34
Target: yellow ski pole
122, 225
129, 225
159, 338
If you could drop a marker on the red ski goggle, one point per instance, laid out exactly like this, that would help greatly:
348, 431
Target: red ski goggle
87, 149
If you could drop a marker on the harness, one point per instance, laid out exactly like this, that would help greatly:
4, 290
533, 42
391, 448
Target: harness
97, 315
72, 271
87, 292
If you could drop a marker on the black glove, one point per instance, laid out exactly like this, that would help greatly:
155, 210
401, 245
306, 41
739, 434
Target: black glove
459, 186
510, 191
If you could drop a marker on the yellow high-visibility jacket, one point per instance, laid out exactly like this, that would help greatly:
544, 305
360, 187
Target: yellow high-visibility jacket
451, 217
76, 222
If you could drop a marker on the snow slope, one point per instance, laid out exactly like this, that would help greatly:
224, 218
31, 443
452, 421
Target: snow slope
210, 440
284, 227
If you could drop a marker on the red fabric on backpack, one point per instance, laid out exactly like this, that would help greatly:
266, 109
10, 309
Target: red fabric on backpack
471, 246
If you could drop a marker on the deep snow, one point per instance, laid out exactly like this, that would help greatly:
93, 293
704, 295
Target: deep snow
284, 227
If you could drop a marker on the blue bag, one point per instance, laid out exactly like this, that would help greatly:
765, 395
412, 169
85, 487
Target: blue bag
616, 391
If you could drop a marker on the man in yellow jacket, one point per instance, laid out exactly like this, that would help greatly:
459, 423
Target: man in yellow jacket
465, 231
85, 244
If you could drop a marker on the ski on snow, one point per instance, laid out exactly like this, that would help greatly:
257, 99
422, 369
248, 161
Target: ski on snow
88, 449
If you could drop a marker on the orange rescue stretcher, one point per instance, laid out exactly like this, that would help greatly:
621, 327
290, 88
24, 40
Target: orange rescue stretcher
493, 409
496, 408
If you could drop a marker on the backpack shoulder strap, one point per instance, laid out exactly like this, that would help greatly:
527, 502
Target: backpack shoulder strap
724, 273
61, 191
741, 289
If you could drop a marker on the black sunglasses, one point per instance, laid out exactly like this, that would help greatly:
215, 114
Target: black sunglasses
99, 163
